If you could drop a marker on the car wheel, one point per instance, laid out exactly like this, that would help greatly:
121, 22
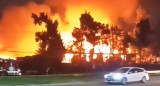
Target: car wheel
144, 79
124, 81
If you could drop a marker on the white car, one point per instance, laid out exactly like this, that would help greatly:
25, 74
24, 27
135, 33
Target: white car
14, 73
127, 74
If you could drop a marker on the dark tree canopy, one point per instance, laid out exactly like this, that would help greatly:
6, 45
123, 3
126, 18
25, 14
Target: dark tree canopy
142, 37
127, 39
90, 31
51, 45
143, 34
91, 28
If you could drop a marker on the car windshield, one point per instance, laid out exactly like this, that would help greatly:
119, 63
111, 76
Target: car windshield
121, 70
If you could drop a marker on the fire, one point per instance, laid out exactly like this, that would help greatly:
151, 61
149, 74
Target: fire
129, 50
104, 49
72, 16
18, 30
100, 14
6, 57
115, 51
87, 47
67, 58
74, 12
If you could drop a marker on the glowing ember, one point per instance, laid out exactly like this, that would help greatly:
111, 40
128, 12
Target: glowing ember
123, 57
129, 50
115, 51
18, 30
87, 46
87, 57
68, 58
94, 56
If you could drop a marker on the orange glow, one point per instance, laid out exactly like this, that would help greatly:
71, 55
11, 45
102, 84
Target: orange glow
87, 58
19, 28
67, 58
157, 59
87, 46
7, 57
123, 57
94, 56
129, 50
115, 51
101, 12
74, 12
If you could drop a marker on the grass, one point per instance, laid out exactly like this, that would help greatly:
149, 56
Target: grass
47, 79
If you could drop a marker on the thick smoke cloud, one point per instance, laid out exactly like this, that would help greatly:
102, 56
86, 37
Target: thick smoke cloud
152, 7
114, 9
17, 28
15, 16
4, 4
17, 25
57, 6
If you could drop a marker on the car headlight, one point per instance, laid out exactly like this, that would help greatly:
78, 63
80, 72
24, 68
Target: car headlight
117, 76
19, 73
105, 76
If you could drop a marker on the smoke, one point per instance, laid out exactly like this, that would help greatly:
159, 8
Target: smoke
57, 6
113, 9
153, 12
4, 4
17, 28
152, 9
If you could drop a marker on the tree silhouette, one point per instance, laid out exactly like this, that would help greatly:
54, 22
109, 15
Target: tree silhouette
78, 34
142, 36
90, 31
142, 39
51, 45
143, 33
91, 28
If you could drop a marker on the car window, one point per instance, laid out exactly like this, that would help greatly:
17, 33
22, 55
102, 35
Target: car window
132, 71
140, 70
121, 70
136, 70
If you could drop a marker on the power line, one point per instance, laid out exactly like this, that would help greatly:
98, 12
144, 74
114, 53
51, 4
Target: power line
16, 51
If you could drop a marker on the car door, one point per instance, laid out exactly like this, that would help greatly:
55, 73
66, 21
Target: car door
131, 76
139, 73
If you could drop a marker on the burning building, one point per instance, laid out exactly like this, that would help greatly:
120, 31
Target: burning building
119, 17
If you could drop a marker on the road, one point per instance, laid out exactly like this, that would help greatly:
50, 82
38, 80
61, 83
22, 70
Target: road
154, 81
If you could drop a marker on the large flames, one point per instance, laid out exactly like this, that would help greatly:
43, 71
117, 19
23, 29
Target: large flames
18, 30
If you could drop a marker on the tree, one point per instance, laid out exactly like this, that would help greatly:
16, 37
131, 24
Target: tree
144, 31
50, 42
78, 34
141, 39
90, 31
142, 36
